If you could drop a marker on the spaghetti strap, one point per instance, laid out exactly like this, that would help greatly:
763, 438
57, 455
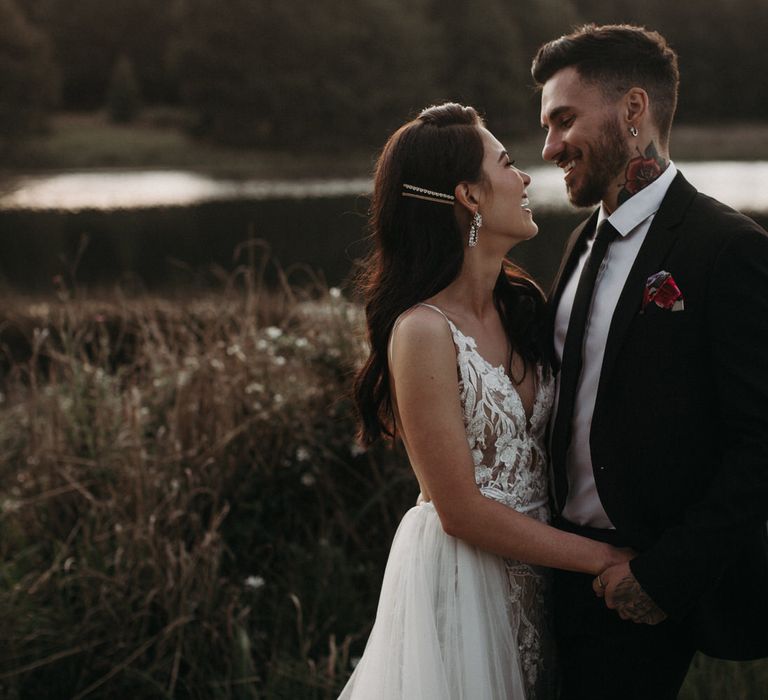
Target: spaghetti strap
451, 325
440, 311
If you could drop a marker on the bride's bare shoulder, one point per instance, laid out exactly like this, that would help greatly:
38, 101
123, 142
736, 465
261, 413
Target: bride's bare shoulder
421, 326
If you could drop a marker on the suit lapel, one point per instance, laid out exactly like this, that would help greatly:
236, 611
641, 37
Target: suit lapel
573, 249
650, 258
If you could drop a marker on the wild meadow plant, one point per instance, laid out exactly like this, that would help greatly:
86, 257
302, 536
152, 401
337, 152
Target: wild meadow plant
184, 512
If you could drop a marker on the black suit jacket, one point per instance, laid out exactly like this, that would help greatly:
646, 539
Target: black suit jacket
679, 436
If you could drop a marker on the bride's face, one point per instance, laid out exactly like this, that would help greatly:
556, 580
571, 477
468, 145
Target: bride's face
503, 203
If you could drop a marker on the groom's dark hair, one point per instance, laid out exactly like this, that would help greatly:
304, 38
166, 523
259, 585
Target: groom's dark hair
617, 57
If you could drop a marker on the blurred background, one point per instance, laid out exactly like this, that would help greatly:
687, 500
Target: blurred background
184, 511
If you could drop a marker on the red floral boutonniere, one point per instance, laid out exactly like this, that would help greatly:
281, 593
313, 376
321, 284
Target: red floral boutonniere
662, 290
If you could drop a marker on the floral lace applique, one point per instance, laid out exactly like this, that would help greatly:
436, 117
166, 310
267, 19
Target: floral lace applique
510, 461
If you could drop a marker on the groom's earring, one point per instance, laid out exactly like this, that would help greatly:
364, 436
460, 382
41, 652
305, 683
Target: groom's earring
477, 222
633, 130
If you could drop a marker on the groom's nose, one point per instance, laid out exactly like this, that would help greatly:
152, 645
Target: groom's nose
553, 146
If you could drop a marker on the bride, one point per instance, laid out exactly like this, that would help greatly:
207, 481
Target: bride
456, 371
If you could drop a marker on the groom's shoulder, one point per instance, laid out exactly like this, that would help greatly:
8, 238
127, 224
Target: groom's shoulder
710, 218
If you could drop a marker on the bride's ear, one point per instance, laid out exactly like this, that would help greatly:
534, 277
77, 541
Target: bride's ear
465, 194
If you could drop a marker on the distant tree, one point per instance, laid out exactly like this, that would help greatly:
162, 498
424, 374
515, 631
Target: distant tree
27, 77
721, 49
124, 94
89, 36
306, 72
488, 48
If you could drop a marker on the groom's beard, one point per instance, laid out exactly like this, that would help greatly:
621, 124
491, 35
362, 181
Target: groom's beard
608, 156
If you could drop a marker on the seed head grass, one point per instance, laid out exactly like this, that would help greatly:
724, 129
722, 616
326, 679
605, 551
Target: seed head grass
183, 511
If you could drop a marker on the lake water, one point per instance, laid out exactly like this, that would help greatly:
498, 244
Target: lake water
172, 229
742, 185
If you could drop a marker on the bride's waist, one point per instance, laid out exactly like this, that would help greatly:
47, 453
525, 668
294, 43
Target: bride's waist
499, 496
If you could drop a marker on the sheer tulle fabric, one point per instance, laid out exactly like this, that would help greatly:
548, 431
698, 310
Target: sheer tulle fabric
445, 627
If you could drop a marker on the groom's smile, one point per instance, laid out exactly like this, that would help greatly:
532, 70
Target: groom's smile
583, 136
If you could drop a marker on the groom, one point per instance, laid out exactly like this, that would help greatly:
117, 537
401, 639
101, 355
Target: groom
660, 437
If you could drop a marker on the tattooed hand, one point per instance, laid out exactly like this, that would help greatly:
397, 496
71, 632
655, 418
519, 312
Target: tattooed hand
624, 594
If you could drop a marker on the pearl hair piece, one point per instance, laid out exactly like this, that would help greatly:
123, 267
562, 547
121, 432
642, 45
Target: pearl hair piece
427, 195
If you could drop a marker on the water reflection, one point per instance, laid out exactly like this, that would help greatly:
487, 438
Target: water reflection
145, 189
739, 184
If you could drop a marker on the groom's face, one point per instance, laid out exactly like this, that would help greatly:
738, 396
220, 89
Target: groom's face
583, 137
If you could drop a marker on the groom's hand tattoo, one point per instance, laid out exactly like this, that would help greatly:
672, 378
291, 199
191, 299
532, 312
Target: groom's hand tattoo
633, 603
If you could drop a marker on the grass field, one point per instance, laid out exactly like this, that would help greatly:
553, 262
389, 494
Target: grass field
157, 140
183, 511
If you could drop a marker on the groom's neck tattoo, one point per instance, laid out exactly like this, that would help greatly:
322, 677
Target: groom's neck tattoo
641, 171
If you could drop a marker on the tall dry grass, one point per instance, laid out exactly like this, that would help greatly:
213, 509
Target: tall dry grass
183, 511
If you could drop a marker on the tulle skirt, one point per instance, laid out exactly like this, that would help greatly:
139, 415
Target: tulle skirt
447, 622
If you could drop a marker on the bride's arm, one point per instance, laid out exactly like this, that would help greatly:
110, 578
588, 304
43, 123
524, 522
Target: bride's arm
423, 368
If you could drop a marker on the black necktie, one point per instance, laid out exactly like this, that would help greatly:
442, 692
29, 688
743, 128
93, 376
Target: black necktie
570, 369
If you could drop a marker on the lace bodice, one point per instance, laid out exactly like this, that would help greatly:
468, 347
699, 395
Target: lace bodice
508, 452
507, 448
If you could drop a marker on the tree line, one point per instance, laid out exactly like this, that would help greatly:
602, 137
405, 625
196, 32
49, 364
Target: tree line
324, 73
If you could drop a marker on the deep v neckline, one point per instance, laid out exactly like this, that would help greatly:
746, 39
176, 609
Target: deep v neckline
512, 387
499, 370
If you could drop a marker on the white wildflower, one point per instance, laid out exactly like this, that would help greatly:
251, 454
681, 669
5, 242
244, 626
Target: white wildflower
273, 332
308, 479
301, 342
262, 344
335, 292
254, 582
279, 360
356, 449
302, 454
217, 364
9, 506
278, 398
236, 351
253, 387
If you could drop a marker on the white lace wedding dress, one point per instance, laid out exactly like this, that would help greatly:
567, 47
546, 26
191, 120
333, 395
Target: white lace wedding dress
455, 622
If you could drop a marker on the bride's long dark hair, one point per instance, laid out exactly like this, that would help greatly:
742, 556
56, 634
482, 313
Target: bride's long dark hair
418, 249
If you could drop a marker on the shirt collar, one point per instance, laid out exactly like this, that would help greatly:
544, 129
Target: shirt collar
640, 206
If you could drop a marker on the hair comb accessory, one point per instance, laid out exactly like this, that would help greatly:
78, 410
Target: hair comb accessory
426, 195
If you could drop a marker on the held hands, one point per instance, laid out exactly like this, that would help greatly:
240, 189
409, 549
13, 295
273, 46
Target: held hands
622, 592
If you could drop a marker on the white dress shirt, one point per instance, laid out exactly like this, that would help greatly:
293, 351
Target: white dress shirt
632, 220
